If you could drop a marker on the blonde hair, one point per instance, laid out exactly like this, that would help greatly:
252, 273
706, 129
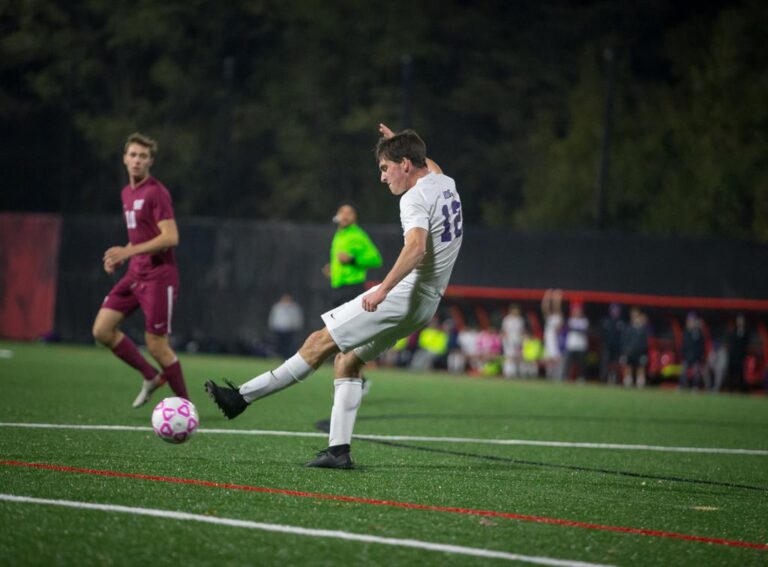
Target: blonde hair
142, 140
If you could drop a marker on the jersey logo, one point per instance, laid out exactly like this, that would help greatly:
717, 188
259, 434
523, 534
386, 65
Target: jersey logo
447, 194
137, 204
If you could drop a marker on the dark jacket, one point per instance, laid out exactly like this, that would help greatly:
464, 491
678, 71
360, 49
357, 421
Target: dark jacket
693, 346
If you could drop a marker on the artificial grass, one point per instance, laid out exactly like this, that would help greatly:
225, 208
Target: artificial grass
711, 495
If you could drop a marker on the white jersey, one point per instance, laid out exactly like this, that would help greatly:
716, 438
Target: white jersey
434, 205
512, 327
551, 329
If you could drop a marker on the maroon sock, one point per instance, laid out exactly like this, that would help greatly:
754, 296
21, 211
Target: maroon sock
175, 379
127, 352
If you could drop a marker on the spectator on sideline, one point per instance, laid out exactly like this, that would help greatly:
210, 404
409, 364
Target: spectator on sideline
737, 341
611, 329
450, 328
285, 319
576, 343
717, 365
551, 308
533, 351
634, 349
512, 327
693, 352
467, 341
456, 360
489, 350
352, 255
433, 347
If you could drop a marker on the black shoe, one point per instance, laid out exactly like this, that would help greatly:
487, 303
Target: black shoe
230, 401
327, 460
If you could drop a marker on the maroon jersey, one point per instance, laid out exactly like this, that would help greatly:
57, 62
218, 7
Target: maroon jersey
144, 206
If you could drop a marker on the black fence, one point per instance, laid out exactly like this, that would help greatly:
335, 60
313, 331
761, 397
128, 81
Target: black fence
232, 271
618, 263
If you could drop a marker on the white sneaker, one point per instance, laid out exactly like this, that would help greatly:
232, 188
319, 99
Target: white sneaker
147, 388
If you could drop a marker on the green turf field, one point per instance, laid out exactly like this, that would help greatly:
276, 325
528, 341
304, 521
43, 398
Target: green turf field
719, 497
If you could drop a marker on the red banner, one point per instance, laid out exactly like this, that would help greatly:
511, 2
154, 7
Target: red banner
29, 261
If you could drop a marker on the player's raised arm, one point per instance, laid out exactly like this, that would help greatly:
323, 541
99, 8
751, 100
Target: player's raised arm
387, 132
433, 167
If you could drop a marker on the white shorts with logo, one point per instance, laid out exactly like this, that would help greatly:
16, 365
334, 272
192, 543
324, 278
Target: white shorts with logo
405, 310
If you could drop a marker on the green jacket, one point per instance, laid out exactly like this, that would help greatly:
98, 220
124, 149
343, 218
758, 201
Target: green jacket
354, 241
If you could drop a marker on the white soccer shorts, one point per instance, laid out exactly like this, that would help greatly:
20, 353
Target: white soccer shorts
405, 310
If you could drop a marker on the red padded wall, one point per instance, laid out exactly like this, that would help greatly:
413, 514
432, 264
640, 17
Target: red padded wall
29, 258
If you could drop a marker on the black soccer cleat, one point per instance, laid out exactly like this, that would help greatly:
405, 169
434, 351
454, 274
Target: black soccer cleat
327, 460
229, 399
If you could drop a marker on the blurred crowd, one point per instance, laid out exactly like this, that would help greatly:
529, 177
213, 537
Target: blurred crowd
619, 347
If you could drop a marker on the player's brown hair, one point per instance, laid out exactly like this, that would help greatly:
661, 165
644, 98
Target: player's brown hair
405, 144
142, 140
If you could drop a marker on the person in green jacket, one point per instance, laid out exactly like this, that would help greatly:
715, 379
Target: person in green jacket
352, 255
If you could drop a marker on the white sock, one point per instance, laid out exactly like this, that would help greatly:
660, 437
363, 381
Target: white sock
290, 372
348, 392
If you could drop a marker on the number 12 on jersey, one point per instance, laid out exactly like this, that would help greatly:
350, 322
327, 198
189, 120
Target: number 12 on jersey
451, 219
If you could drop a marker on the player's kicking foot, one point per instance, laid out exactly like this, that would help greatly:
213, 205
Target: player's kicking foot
147, 388
229, 399
326, 459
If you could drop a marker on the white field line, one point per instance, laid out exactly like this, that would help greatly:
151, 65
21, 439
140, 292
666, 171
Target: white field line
469, 440
296, 530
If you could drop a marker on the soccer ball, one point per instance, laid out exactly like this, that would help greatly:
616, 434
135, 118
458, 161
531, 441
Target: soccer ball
175, 420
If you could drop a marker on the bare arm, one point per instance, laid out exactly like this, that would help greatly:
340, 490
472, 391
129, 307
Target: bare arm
413, 251
168, 238
387, 132
433, 167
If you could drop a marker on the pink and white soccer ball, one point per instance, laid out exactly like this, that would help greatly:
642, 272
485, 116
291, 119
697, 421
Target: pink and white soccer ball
175, 420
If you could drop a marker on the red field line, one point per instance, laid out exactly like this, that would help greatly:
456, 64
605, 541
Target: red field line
395, 504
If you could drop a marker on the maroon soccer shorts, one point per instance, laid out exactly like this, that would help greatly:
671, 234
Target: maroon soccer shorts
156, 299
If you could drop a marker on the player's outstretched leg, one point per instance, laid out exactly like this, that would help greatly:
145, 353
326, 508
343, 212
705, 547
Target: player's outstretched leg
229, 399
233, 400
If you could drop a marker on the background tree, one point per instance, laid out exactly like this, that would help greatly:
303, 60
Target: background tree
267, 109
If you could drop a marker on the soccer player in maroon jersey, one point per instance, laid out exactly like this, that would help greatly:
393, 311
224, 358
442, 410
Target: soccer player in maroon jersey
152, 279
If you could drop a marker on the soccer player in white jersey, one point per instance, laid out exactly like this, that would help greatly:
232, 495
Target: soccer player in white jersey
360, 330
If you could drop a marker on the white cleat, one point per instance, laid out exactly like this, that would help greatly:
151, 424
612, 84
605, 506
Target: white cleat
366, 386
147, 388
